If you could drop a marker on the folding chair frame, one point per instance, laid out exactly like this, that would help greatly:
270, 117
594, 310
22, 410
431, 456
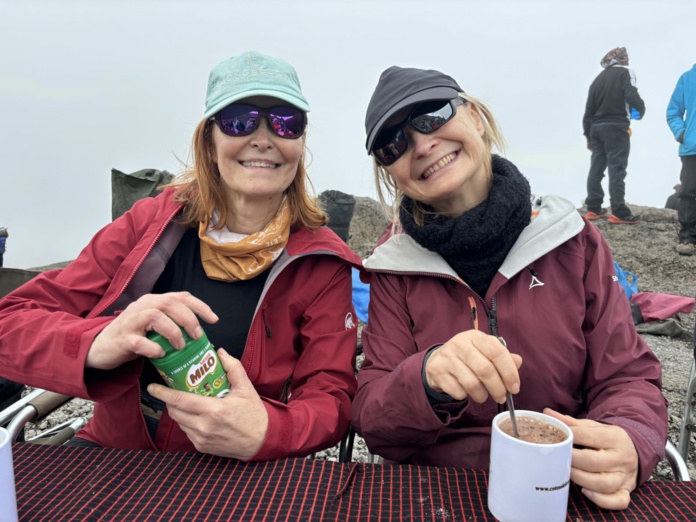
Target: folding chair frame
687, 424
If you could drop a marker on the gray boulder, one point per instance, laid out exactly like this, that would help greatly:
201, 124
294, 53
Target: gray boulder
367, 226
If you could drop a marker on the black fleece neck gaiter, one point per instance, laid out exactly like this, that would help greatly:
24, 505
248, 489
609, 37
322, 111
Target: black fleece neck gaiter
476, 243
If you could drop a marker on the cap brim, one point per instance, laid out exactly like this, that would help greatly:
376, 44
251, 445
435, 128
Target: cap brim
284, 96
435, 93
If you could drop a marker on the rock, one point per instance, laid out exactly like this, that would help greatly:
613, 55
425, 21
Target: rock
52, 266
367, 226
648, 249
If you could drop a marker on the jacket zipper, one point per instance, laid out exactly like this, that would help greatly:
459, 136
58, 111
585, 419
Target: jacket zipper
252, 348
252, 337
474, 317
265, 323
493, 318
493, 326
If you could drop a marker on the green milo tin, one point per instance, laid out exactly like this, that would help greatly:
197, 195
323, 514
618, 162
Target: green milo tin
195, 368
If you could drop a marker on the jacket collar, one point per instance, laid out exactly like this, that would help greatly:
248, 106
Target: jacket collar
554, 221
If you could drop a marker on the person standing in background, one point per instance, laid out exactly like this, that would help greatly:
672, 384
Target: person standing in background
680, 118
612, 101
3, 238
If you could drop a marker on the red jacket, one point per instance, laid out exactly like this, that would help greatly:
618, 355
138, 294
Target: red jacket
556, 302
48, 325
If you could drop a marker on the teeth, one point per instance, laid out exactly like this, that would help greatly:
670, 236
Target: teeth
261, 164
444, 161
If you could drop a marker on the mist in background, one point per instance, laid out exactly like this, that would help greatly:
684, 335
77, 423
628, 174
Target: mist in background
90, 86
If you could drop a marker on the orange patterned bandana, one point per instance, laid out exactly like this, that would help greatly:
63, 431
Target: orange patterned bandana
248, 257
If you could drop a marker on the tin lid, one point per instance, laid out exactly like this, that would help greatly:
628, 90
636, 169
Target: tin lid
166, 345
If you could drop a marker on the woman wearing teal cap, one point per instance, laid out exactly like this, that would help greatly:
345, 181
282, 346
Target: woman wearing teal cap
484, 290
237, 242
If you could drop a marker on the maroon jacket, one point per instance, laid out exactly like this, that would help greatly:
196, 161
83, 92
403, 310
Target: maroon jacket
48, 325
557, 303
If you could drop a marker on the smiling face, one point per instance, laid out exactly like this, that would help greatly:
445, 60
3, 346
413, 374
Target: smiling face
445, 169
257, 168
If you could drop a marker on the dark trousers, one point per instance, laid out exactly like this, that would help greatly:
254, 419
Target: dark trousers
610, 145
10, 392
686, 208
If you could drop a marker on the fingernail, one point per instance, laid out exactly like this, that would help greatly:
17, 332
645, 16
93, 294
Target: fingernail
181, 344
198, 332
150, 389
516, 388
223, 352
215, 316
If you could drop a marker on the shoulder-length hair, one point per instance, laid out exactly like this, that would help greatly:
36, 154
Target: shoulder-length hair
387, 187
201, 190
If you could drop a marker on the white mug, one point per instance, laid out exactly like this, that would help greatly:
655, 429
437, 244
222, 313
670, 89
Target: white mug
528, 481
8, 500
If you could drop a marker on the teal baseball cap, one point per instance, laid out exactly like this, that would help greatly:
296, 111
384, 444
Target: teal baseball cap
252, 74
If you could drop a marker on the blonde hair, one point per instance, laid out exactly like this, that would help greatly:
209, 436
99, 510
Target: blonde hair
387, 187
201, 190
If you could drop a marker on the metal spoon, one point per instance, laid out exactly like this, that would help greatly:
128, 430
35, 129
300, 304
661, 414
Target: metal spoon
510, 404
511, 407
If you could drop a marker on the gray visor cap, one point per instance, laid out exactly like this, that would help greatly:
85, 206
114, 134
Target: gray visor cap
400, 87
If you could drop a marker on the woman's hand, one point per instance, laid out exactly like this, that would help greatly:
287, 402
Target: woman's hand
233, 426
606, 468
124, 338
473, 364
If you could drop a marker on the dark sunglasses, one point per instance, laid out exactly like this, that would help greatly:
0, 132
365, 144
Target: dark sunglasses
392, 142
242, 119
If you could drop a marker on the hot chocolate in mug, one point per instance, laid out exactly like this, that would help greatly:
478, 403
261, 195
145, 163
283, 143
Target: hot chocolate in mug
528, 480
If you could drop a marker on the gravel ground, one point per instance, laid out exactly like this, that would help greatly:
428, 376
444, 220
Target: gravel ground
647, 249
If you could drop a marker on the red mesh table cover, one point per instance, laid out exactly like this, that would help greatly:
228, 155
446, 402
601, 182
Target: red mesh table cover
63, 483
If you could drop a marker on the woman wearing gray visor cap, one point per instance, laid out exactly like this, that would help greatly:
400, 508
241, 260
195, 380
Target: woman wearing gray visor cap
481, 289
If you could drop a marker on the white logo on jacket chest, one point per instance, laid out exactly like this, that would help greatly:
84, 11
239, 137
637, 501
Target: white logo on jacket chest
535, 279
349, 321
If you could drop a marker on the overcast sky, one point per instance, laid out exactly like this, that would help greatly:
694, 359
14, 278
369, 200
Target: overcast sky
90, 86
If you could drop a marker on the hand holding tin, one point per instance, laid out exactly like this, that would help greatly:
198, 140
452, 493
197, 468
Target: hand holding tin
233, 426
123, 339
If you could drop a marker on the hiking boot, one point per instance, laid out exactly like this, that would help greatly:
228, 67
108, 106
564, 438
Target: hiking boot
686, 249
592, 216
628, 220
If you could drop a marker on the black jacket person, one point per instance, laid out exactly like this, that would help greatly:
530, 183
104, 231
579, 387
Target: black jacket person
611, 100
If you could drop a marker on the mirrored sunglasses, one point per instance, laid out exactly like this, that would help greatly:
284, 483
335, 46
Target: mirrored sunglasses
242, 119
392, 142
